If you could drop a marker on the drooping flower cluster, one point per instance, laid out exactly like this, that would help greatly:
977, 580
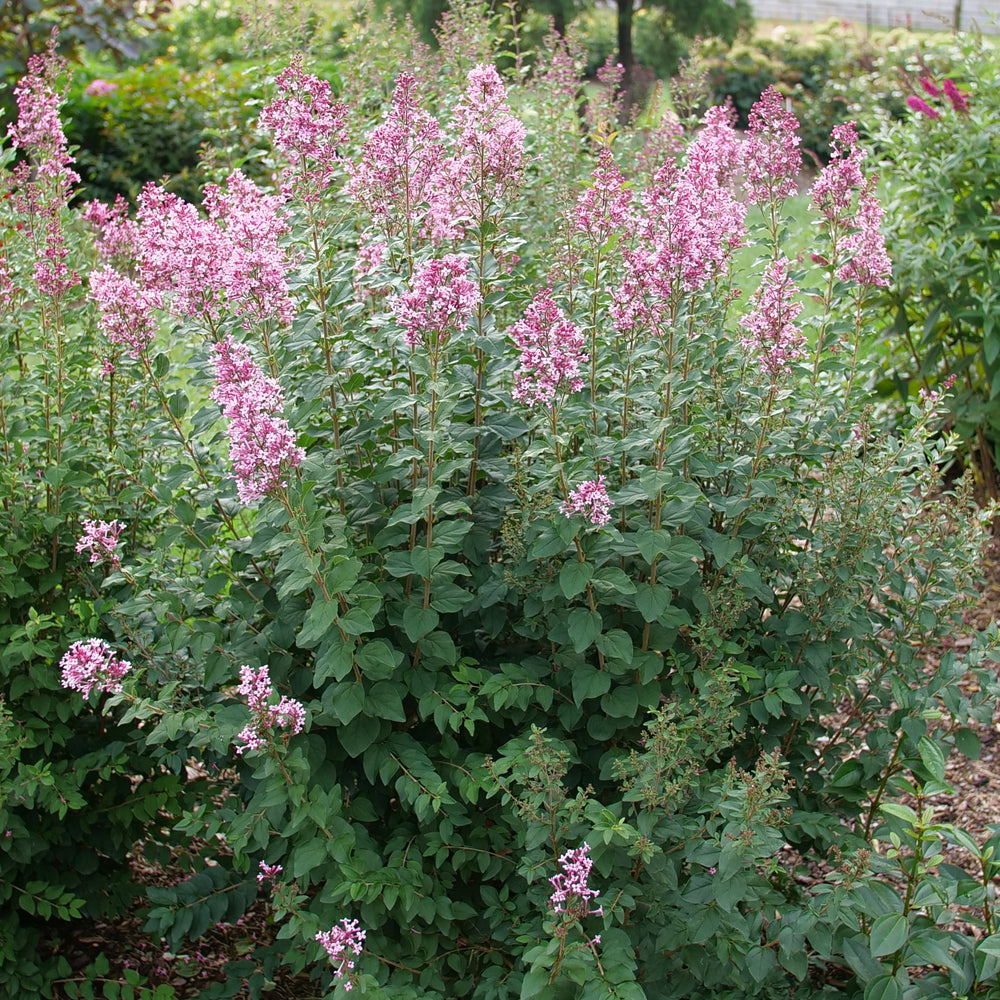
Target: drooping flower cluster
307, 126
959, 99
774, 338
90, 664
100, 539
441, 298
551, 352
255, 686
772, 159
571, 893
262, 445
343, 943
590, 499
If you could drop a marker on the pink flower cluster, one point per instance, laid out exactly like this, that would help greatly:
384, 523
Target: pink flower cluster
441, 298
833, 190
255, 686
959, 99
690, 224
90, 664
230, 263
100, 539
772, 159
262, 445
551, 352
343, 943
571, 894
100, 88
307, 127
605, 206
774, 337
268, 873
590, 499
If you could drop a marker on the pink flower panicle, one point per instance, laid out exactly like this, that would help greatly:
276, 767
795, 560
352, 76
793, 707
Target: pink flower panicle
774, 337
441, 297
590, 499
489, 131
268, 873
91, 664
100, 539
255, 686
551, 353
605, 205
307, 126
919, 105
399, 161
571, 894
833, 190
869, 264
126, 309
931, 89
959, 98
262, 445
771, 157
343, 943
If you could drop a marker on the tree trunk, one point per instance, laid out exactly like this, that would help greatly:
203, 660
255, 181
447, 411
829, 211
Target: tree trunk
625, 36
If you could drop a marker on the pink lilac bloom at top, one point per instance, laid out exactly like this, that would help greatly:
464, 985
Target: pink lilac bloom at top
262, 445
100, 539
772, 159
590, 499
690, 225
307, 126
774, 339
571, 893
343, 944
255, 686
91, 664
441, 297
869, 264
489, 132
604, 207
551, 353
399, 161
833, 190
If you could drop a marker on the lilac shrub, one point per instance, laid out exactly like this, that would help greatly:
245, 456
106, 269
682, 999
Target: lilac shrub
564, 544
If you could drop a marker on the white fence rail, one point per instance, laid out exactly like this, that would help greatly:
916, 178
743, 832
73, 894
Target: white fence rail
934, 14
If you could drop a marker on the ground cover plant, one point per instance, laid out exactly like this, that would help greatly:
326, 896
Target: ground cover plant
449, 545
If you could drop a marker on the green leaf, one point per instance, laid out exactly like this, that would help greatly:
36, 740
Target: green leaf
932, 757
584, 627
651, 600
357, 621
885, 987
359, 735
417, 622
377, 660
968, 744
888, 934
574, 577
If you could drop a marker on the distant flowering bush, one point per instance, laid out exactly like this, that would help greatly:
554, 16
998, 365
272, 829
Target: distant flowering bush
495, 528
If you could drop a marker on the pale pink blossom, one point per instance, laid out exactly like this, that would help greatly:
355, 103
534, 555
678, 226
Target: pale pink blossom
590, 499
91, 664
127, 309
100, 88
774, 339
343, 944
771, 157
256, 688
833, 190
604, 207
571, 893
262, 445
869, 263
441, 298
100, 539
268, 873
307, 126
551, 352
